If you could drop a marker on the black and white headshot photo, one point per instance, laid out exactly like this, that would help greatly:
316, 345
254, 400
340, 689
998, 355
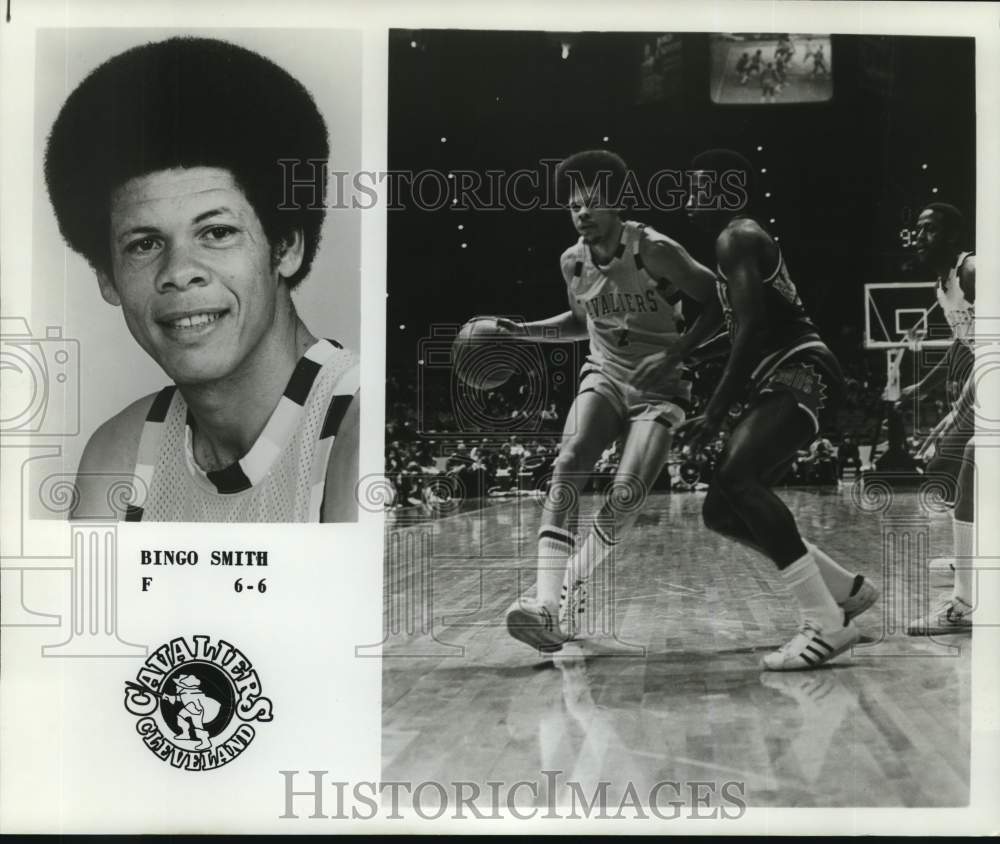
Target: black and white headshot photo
187, 172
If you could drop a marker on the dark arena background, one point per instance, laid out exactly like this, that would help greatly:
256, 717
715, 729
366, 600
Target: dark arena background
846, 178
848, 150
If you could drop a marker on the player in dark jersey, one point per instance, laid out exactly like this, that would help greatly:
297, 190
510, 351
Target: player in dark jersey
779, 70
819, 63
940, 228
741, 67
768, 83
785, 49
784, 374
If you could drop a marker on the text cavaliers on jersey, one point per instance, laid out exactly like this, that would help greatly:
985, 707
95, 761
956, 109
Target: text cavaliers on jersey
631, 315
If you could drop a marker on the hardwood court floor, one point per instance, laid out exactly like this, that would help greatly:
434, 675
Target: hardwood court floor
668, 687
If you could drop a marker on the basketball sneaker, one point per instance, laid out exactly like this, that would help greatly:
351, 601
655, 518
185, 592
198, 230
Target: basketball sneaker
950, 615
572, 605
941, 571
533, 623
811, 647
864, 596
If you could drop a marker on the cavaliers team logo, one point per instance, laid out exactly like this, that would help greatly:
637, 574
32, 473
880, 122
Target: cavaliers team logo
196, 701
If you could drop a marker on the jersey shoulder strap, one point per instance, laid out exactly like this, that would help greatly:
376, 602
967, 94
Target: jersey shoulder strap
149, 449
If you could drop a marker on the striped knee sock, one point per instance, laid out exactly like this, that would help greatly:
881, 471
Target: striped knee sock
555, 546
595, 550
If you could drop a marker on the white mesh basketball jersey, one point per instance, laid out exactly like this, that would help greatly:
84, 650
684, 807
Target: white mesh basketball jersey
630, 314
281, 479
959, 311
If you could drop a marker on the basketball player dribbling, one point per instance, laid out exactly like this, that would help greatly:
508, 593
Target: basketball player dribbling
624, 283
782, 371
939, 233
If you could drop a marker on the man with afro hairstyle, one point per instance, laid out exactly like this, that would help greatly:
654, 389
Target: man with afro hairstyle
167, 170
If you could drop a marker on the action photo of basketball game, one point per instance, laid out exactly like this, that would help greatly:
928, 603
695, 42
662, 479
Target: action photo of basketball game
669, 370
768, 68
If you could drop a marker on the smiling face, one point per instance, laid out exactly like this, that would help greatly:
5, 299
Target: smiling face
594, 222
193, 272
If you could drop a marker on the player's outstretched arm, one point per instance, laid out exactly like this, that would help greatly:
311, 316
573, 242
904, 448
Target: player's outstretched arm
109, 460
664, 258
739, 250
569, 326
695, 341
562, 328
717, 346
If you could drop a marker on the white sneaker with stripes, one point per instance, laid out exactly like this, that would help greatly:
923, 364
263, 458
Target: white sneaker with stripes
572, 606
811, 647
950, 615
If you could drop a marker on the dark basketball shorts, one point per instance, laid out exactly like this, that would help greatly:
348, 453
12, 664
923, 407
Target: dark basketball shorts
811, 377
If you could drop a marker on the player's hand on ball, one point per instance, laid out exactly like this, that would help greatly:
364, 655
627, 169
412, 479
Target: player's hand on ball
481, 358
509, 327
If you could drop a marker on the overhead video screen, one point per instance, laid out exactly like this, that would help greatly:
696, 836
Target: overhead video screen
770, 68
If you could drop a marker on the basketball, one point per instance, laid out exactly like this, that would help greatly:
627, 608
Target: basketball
482, 356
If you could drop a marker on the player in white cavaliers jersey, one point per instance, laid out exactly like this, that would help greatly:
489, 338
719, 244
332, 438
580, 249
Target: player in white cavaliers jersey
283, 476
624, 283
939, 232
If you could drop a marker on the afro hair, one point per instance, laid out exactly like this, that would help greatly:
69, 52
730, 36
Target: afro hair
186, 102
590, 169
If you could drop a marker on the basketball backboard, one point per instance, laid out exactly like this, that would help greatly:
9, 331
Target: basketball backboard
894, 309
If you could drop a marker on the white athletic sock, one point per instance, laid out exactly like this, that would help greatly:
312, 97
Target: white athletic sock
592, 552
816, 604
965, 550
555, 545
838, 580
